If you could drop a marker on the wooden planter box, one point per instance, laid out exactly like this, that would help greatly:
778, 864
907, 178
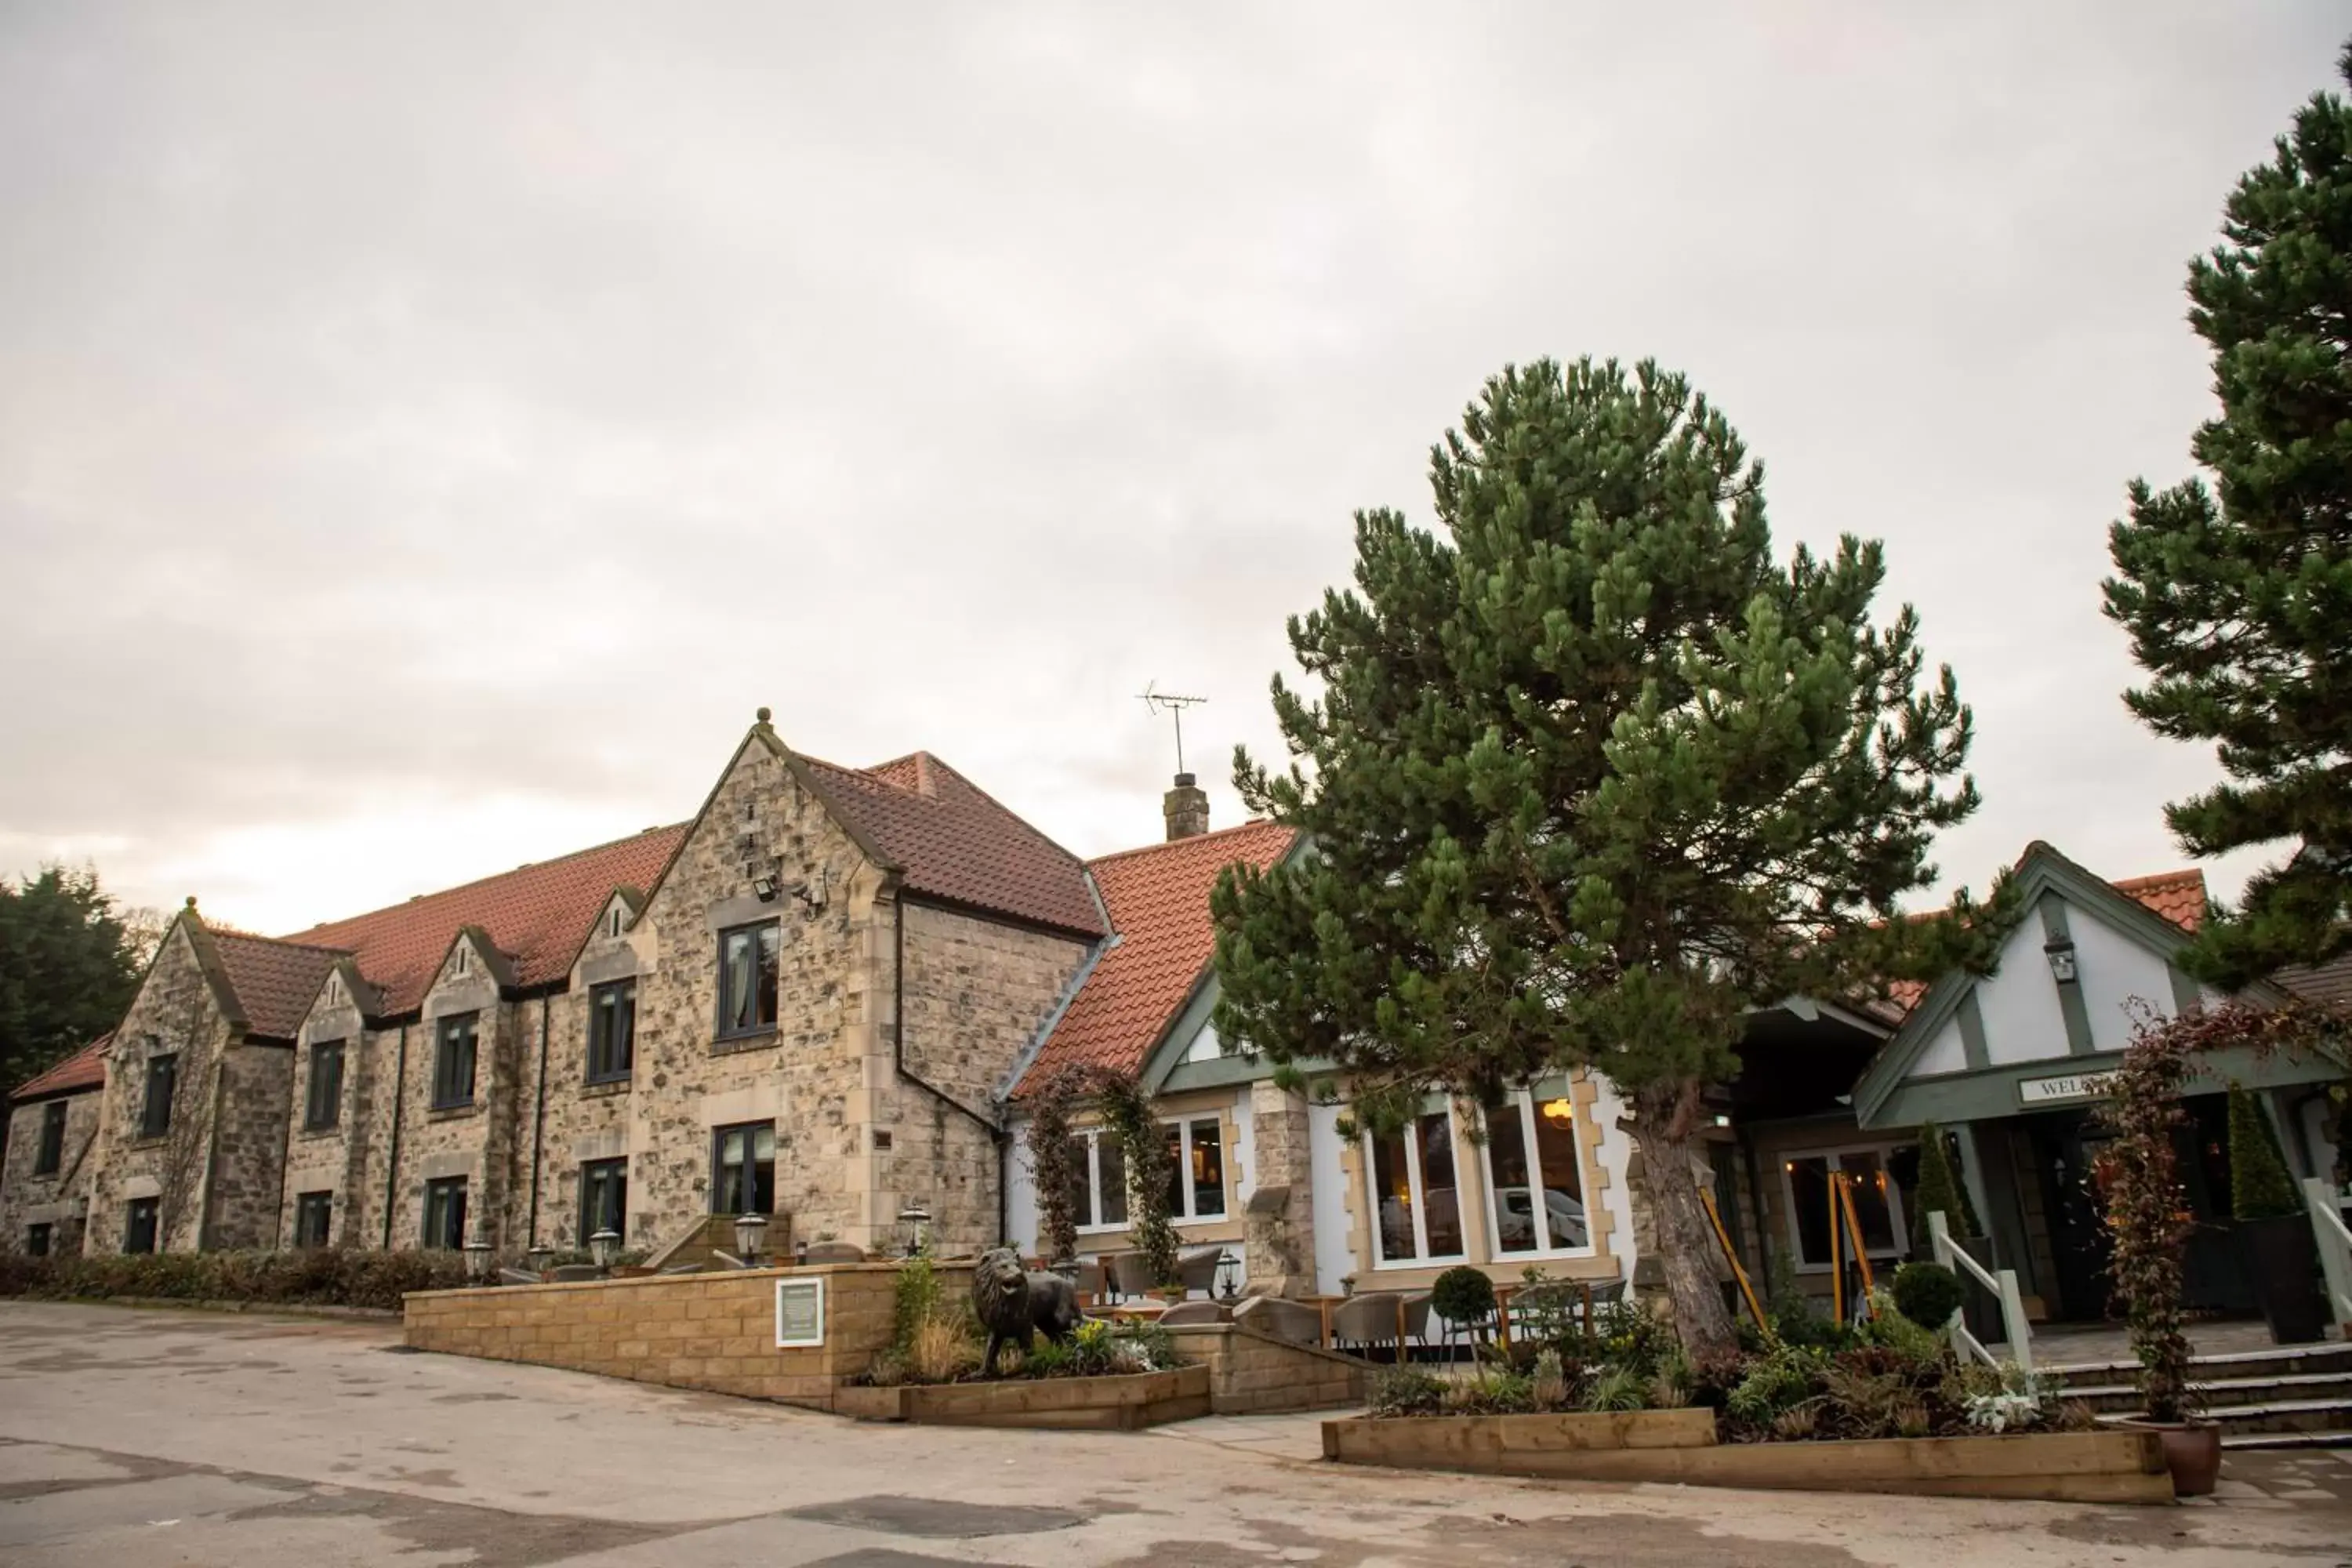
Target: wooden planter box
1073, 1404
1680, 1446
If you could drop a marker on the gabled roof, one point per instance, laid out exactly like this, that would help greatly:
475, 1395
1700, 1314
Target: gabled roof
79, 1073
535, 915
2330, 982
275, 982
1159, 902
952, 840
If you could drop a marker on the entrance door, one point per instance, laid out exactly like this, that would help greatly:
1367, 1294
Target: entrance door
2065, 1147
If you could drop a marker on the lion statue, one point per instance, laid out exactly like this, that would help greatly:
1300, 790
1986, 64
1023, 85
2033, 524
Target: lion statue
1014, 1304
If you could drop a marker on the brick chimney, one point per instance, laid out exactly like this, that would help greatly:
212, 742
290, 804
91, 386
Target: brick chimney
1186, 807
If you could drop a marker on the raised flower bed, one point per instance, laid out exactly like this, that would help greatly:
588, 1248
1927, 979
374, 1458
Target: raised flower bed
1120, 1402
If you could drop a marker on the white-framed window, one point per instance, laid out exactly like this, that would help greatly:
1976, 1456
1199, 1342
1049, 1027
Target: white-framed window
1197, 1183
1535, 1178
1878, 1200
1099, 1181
1205, 1045
1415, 1192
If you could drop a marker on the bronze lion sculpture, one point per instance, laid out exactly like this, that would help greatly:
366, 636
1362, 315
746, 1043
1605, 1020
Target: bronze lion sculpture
1015, 1305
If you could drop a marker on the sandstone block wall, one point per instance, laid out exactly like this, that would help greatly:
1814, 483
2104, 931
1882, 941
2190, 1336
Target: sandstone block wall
248, 1146
714, 1331
59, 1200
1254, 1375
176, 1012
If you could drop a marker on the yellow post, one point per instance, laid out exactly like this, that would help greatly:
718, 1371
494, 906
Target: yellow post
1837, 1253
1723, 1239
1861, 1253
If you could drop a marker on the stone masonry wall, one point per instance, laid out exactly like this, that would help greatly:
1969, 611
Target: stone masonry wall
333, 1159
469, 1140
1279, 1244
803, 1074
57, 1200
1252, 1373
714, 1331
174, 1011
977, 992
248, 1152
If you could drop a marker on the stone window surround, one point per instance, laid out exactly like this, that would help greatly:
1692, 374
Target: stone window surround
596, 994
50, 1153
319, 1201
152, 1127
1192, 1106
149, 1210
766, 919
590, 1172
446, 1029
438, 1192
1527, 1105
1414, 1181
331, 1121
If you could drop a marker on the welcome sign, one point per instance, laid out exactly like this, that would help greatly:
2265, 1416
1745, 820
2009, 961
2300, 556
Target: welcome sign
2071, 1086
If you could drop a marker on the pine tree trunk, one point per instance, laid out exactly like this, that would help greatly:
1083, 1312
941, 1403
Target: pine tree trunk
1666, 1128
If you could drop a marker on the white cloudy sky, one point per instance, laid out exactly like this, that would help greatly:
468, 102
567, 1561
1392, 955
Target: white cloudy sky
427, 432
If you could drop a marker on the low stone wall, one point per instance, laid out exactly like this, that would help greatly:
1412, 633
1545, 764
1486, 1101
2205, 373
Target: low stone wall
1125, 1404
714, 1331
1251, 1373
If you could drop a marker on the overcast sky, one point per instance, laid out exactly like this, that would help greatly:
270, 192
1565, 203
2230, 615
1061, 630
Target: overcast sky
427, 432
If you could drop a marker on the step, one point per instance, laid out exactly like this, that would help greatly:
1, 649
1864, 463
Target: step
2275, 1361
2275, 1415
2245, 1442
2219, 1393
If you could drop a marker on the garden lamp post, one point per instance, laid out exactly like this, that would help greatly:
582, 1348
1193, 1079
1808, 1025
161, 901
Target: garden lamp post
1229, 1276
602, 1247
543, 1258
915, 1218
477, 1261
750, 1232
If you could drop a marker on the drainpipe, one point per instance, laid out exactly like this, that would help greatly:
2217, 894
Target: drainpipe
996, 1134
392, 1160
538, 1127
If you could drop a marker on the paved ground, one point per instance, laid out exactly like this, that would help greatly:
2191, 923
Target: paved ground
164, 1439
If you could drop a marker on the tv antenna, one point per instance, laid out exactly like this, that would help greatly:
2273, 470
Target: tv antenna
1155, 701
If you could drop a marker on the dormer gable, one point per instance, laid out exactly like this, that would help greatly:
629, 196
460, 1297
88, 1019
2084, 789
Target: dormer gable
473, 973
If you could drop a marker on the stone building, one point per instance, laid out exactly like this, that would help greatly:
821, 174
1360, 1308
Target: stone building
52, 1132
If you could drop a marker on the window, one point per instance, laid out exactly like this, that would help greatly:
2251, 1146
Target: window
163, 1079
323, 1106
612, 1031
746, 978
613, 922
1534, 1179
314, 1214
139, 1226
604, 1197
1419, 1217
1877, 1203
445, 1213
453, 1061
746, 1177
50, 1152
1099, 1181
1196, 1181
36, 1240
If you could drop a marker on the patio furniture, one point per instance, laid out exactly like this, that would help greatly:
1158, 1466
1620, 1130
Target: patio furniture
1198, 1269
835, 1252
1184, 1312
1131, 1275
1375, 1318
1281, 1320
1092, 1281
570, 1271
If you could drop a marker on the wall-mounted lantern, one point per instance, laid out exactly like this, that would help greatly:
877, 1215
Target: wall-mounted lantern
751, 1234
2060, 951
604, 1246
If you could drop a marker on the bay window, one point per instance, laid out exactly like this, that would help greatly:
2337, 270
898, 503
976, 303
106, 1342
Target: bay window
1535, 1179
1196, 1175
1415, 1194
1097, 1180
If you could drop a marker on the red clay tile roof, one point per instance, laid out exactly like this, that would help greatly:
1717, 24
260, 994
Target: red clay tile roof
85, 1070
537, 915
1159, 902
954, 841
276, 982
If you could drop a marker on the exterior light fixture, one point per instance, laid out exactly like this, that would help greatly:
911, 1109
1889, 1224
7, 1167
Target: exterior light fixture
1229, 1276
603, 1246
751, 1230
915, 1220
2060, 951
1557, 1109
766, 887
477, 1261
543, 1258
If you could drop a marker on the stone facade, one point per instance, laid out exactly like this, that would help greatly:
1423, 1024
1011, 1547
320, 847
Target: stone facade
59, 1199
1280, 1242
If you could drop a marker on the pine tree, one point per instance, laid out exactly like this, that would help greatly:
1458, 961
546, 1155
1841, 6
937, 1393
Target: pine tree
1590, 775
2238, 597
1940, 1189
69, 961
2260, 1187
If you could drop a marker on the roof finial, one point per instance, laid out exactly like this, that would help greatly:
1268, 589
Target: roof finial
192, 903
764, 715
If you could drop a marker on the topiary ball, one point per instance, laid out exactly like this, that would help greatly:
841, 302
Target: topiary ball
1463, 1295
1927, 1294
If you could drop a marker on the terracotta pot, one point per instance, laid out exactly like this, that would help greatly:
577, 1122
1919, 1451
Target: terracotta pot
2192, 1452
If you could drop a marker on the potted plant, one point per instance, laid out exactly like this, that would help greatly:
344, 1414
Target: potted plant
2149, 1220
2274, 1233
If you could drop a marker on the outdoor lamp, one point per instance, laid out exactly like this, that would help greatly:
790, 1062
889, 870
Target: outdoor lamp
2060, 951
751, 1230
1229, 1276
914, 1217
477, 1261
603, 1246
543, 1258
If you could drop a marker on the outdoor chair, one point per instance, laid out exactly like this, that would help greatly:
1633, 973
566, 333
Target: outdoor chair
1129, 1276
1362, 1321
1198, 1269
1184, 1312
835, 1252
1092, 1281
1281, 1320
1416, 1317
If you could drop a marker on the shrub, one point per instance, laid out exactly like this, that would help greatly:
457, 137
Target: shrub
1463, 1295
318, 1277
2260, 1187
1927, 1294
1775, 1383
1627, 1334
1941, 1188
1618, 1388
1549, 1382
940, 1351
1406, 1390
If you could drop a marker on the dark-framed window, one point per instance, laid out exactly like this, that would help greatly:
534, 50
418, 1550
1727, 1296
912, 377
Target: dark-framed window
322, 1107
50, 1152
603, 1198
163, 1080
612, 1031
453, 1060
139, 1225
445, 1213
36, 1240
314, 1217
746, 978
744, 1174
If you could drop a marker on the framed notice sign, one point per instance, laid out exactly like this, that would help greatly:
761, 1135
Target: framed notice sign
800, 1313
